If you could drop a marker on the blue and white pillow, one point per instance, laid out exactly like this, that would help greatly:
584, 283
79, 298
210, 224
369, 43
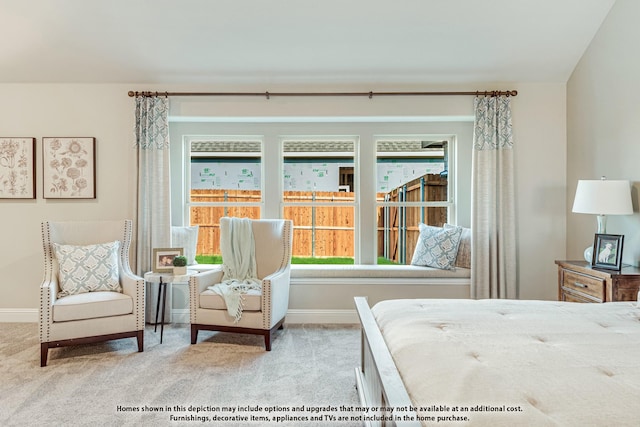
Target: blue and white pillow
88, 268
437, 247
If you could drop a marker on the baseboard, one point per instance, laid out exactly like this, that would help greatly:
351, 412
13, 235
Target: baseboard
18, 315
293, 316
28, 315
322, 316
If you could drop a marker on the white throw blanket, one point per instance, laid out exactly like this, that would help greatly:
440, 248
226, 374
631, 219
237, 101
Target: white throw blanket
238, 264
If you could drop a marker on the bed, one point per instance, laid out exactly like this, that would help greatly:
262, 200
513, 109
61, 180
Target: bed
499, 362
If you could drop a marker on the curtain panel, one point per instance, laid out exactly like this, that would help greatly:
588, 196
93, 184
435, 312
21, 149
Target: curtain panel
154, 181
493, 260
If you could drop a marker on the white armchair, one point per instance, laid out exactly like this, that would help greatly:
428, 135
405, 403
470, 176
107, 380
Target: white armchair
92, 314
265, 310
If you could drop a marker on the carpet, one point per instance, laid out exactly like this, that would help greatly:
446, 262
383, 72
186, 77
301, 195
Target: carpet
225, 379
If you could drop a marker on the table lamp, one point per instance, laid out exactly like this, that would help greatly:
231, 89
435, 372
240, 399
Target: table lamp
602, 197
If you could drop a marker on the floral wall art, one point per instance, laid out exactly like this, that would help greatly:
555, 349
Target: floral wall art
69, 168
17, 168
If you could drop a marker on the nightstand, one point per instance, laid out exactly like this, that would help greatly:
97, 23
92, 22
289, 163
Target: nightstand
579, 282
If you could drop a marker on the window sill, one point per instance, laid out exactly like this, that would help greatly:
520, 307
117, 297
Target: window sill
370, 274
375, 272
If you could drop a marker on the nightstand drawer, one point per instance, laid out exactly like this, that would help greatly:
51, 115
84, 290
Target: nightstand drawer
581, 284
570, 296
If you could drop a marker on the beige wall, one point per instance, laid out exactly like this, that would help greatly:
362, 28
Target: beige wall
103, 112
603, 122
106, 112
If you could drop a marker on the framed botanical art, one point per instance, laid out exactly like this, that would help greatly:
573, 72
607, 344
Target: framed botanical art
163, 259
69, 168
607, 251
17, 168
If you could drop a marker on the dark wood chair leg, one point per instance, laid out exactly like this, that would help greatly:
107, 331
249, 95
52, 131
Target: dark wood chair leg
194, 334
44, 352
267, 340
140, 338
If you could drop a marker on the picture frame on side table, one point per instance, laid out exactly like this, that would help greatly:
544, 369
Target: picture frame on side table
607, 251
163, 259
69, 168
17, 168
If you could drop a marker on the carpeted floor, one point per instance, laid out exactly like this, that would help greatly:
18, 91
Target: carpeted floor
308, 374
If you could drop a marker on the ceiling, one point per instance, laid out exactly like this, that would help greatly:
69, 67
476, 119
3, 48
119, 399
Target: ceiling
297, 42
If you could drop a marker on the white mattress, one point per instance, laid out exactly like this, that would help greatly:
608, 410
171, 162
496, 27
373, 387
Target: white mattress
560, 363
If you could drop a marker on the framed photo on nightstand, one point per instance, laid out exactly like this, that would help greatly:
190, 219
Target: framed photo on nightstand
607, 251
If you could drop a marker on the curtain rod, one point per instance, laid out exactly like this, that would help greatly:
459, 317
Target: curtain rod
371, 94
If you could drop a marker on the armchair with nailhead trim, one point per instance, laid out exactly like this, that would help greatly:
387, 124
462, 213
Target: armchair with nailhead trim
264, 311
92, 314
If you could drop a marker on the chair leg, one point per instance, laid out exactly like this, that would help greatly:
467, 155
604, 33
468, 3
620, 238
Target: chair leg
268, 335
44, 352
140, 338
194, 334
267, 340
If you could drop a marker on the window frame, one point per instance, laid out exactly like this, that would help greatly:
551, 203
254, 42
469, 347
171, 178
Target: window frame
355, 139
188, 203
450, 203
271, 131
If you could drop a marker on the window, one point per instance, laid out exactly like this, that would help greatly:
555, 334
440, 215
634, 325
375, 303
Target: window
319, 196
412, 188
356, 192
225, 180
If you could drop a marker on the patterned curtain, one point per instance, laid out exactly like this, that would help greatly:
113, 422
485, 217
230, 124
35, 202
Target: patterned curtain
154, 186
493, 260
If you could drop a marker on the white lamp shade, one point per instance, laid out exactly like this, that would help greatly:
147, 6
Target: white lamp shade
603, 197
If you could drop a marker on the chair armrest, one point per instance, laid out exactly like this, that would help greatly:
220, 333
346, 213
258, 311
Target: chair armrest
48, 295
279, 278
197, 284
131, 284
277, 285
49, 291
205, 279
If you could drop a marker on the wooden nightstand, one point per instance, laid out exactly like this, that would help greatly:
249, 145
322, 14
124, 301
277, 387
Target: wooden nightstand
579, 282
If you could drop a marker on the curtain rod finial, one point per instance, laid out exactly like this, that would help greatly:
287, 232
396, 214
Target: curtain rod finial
131, 93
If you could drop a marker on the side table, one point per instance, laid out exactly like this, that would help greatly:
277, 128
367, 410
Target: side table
164, 279
578, 281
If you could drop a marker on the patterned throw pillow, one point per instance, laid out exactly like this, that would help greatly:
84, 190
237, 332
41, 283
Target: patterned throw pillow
87, 268
463, 259
437, 247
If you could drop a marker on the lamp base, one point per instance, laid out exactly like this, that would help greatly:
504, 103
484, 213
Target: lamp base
588, 255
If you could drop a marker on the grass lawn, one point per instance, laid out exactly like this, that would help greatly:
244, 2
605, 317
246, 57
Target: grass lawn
217, 259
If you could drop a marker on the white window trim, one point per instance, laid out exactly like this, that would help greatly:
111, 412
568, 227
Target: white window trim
365, 159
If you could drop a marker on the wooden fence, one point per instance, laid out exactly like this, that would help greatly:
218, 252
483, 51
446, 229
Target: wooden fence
398, 229
321, 231
328, 231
